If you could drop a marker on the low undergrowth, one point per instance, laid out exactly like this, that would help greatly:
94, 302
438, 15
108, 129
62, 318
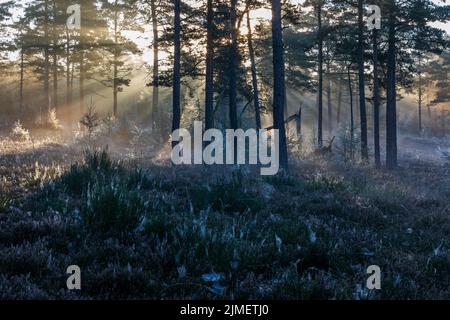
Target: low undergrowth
184, 233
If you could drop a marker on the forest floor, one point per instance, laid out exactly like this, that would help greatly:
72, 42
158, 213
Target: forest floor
143, 229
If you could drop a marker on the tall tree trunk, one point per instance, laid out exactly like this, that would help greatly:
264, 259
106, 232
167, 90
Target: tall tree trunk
320, 93
376, 101
46, 61
82, 76
362, 87
339, 104
68, 82
352, 118
428, 100
233, 66
251, 51
82, 68
22, 65
299, 122
420, 95
279, 81
177, 69
209, 82
55, 81
116, 61
155, 82
72, 74
55, 58
391, 107
420, 106
329, 107
356, 101
286, 106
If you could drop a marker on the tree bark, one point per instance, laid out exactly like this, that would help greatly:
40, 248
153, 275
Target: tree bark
155, 82
428, 89
279, 81
339, 104
376, 101
362, 95
320, 93
115, 62
209, 81
21, 79
82, 69
251, 51
391, 107
177, 69
46, 60
55, 59
68, 82
82, 76
329, 105
233, 66
352, 119
299, 122
420, 95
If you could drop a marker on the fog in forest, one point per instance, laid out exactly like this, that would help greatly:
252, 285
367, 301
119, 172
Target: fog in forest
354, 97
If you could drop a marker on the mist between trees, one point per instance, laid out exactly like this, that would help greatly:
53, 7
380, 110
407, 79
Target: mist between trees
310, 69
340, 107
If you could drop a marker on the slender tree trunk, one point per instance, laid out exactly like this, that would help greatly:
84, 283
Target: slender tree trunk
68, 82
55, 59
155, 82
339, 104
428, 101
286, 106
391, 108
362, 87
209, 82
21, 79
299, 122
55, 81
82, 69
116, 61
320, 93
420, 96
220, 112
233, 66
177, 69
72, 76
329, 107
82, 75
279, 81
352, 119
254, 74
376, 101
420, 107
46, 61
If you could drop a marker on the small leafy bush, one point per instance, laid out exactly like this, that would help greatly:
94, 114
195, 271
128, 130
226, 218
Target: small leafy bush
19, 133
53, 120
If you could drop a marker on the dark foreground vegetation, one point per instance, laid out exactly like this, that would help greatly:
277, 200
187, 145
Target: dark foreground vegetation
162, 232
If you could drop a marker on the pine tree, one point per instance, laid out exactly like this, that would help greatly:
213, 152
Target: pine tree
279, 81
209, 79
122, 16
177, 68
